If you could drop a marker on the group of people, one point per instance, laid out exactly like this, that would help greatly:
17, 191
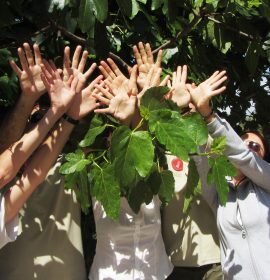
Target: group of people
136, 246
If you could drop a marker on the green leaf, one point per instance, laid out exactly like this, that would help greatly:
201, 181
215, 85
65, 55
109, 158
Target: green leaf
166, 190
101, 9
139, 194
84, 197
129, 8
156, 4
86, 18
196, 128
105, 188
220, 167
193, 185
128, 155
153, 99
91, 135
76, 162
169, 130
218, 145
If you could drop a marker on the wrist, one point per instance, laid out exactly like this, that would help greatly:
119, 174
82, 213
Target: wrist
69, 119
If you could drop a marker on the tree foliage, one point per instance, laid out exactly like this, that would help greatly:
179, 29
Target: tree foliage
204, 34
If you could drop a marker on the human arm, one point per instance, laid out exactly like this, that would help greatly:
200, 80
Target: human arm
32, 88
42, 159
61, 96
253, 167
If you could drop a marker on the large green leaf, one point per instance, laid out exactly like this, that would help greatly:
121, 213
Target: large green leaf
168, 128
129, 8
153, 99
156, 4
101, 9
139, 194
86, 18
76, 162
91, 135
132, 152
105, 188
166, 190
220, 167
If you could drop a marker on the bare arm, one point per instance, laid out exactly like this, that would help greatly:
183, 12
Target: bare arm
61, 97
32, 88
37, 169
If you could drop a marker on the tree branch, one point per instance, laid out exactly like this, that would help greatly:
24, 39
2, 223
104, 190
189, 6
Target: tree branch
180, 34
241, 33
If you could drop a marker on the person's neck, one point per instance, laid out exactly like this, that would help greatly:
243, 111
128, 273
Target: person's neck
238, 179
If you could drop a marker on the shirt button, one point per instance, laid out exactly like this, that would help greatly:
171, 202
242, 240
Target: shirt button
244, 234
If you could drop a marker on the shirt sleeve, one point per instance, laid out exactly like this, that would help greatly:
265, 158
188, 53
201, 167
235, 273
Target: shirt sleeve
8, 232
252, 166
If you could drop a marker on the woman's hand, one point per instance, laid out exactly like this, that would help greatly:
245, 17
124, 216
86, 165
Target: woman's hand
145, 60
179, 93
29, 73
121, 98
201, 95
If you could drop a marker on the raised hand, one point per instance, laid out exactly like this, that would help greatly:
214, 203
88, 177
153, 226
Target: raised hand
179, 93
84, 102
152, 80
116, 80
145, 60
29, 73
61, 94
76, 67
121, 104
201, 95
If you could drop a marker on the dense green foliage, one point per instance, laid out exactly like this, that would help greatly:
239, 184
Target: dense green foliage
204, 34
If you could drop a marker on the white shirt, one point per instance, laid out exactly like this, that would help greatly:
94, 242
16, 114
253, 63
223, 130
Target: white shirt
132, 247
9, 231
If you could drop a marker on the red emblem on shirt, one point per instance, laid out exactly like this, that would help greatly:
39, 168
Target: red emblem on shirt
177, 164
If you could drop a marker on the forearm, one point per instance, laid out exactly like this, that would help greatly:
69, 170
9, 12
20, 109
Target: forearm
250, 164
13, 158
12, 127
37, 169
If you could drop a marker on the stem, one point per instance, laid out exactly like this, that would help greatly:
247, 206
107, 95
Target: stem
100, 156
139, 125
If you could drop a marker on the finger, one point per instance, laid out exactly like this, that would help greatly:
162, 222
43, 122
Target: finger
218, 91
150, 57
76, 56
74, 83
165, 81
159, 58
169, 84
219, 82
104, 92
217, 77
15, 67
212, 76
142, 52
137, 56
149, 77
38, 57
95, 81
55, 71
156, 77
178, 73
91, 69
114, 67
29, 54
133, 80
47, 67
69, 81
23, 60
174, 79
83, 61
45, 82
66, 62
102, 111
102, 99
184, 74
108, 69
